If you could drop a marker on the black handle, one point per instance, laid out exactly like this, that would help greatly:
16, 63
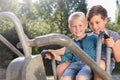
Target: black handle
106, 36
47, 52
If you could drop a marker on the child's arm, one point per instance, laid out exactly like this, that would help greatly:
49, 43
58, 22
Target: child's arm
56, 53
57, 57
60, 51
116, 50
115, 47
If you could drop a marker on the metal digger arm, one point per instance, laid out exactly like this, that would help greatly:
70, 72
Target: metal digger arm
63, 40
19, 29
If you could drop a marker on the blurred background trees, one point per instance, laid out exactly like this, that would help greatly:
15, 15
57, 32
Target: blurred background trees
40, 17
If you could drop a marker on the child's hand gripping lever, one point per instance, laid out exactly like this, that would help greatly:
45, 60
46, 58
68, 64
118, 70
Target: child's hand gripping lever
108, 55
47, 54
106, 36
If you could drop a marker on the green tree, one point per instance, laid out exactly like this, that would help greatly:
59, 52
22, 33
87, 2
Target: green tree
39, 18
53, 13
118, 12
7, 30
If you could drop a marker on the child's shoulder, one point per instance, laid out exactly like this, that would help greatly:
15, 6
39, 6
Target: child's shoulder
91, 35
114, 34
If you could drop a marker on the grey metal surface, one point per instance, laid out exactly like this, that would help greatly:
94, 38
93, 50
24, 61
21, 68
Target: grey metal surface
108, 59
22, 68
9, 45
108, 52
99, 48
54, 69
67, 42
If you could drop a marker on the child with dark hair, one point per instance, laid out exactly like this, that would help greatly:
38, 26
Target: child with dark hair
97, 18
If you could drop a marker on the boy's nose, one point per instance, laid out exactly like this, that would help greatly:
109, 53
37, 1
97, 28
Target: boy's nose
77, 27
95, 27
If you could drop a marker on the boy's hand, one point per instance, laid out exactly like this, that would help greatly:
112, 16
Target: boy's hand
109, 42
53, 52
47, 56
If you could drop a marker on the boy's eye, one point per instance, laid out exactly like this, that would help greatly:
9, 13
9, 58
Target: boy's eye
80, 25
97, 22
73, 26
90, 23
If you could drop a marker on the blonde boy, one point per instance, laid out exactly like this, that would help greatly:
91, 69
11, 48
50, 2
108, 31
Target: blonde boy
76, 68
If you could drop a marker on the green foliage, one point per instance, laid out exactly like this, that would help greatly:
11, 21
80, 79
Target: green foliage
5, 25
114, 27
117, 69
35, 50
37, 28
7, 31
9, 5
118, 12
5, 58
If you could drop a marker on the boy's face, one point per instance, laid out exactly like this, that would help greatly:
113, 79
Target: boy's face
77, 27
97, 24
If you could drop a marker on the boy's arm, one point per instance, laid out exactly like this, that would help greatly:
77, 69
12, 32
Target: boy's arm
56, 53
60, 55
57, 57
115, 47
116, 50
60, 51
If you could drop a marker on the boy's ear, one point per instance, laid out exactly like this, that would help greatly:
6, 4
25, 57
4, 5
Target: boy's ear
70, 28
105, 20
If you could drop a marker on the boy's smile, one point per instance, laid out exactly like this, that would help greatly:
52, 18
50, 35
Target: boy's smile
77, 27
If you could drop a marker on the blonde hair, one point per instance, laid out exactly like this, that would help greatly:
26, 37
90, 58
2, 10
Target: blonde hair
79, 15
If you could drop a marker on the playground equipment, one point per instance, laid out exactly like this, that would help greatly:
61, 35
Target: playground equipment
30, 67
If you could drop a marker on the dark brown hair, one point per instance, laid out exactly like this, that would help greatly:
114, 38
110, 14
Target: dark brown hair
97, 10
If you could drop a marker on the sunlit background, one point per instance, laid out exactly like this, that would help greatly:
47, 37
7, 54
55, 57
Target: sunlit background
41, 17
110, 5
